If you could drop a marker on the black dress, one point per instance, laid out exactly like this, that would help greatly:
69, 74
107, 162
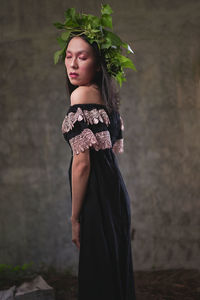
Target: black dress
105, 260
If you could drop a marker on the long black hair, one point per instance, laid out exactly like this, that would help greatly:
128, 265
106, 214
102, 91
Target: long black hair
102, 79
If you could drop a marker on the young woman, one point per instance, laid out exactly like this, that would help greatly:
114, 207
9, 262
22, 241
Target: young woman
101, 215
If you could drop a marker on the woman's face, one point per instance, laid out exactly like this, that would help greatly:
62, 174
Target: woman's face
80, 59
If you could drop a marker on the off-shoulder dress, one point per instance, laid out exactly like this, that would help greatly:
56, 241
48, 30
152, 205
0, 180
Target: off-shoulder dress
105, 269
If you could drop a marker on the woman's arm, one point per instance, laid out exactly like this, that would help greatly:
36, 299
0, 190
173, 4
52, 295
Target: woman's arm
80, 175
81, 161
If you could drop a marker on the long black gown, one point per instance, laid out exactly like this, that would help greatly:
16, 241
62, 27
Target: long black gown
105, 260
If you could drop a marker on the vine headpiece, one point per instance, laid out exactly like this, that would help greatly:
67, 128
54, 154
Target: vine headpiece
109, 43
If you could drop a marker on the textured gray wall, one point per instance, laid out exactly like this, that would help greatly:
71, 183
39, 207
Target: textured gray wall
160, 107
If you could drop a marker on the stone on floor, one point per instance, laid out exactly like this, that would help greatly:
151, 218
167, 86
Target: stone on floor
37, 289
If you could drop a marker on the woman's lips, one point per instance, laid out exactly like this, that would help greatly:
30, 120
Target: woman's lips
73, 75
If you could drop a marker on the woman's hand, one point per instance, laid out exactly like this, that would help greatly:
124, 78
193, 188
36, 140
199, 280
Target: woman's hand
75, 232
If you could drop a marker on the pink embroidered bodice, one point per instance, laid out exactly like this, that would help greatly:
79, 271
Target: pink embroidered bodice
91, 125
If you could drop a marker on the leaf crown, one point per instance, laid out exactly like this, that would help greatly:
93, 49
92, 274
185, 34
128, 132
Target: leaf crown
109, 43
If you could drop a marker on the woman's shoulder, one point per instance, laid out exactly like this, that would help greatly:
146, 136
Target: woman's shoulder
86, 95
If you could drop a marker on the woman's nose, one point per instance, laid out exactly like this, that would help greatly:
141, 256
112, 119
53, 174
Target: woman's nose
74, 63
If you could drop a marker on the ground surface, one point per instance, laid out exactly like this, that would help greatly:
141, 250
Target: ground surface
151, 285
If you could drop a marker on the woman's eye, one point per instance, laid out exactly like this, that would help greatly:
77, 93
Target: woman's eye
83, 58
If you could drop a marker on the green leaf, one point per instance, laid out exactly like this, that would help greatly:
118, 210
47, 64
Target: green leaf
96, 21
64, 53
57, 55
107, 44
125, 45
71, 23
126, 62
61, 42
65, 35
106, 9
92, 20
59, 25
115, 40
70, 13
106, 21
120, 78
96, 30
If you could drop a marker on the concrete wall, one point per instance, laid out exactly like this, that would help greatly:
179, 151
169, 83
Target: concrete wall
160, 106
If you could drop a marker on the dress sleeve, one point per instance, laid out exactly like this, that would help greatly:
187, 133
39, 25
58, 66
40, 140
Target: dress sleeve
118, 146
86, 126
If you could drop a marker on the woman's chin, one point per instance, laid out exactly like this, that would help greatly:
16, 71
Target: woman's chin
74, 81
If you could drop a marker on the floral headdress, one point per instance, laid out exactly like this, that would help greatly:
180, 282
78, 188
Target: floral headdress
109, 43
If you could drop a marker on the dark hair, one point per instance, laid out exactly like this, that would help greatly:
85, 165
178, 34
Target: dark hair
102, 79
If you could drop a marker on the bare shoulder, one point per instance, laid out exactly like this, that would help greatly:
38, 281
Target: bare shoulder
86, 94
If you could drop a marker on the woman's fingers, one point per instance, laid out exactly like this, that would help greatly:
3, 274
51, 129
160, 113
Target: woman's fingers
76, 242
75, 233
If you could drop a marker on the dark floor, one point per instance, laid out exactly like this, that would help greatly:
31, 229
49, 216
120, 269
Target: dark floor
152, 285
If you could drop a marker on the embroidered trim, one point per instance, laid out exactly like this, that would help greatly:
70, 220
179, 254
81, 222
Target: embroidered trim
86, 139
103, 139
118, 146
93, 116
